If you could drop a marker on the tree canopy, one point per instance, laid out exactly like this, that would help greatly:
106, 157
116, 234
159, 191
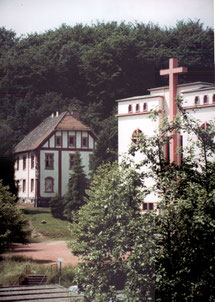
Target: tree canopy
89, 67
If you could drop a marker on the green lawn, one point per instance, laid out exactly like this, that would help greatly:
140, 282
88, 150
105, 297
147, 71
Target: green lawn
52, 229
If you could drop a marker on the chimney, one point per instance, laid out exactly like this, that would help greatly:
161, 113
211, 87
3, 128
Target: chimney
76, 114
52, 115
57, 114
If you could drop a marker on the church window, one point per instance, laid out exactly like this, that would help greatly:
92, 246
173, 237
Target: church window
136, 135
58, 141
32, 161
205, 99
214, 99
32, 185
72, 141
84, 142
24, 162
49, 161
148, 206
206, 135
23, 185
137, 107
196, 100
49, 185
130, 108
145, 107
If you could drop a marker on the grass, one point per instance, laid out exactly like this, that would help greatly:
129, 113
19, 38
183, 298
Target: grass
44, 227
15, 268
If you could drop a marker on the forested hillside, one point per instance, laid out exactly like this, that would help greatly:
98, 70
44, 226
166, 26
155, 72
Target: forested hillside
88, 68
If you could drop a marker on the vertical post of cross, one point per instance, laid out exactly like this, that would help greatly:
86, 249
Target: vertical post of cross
173, 72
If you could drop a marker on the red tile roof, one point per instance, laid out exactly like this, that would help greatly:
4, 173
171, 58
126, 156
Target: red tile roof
64, 121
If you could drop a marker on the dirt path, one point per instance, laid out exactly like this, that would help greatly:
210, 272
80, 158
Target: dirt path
46, 252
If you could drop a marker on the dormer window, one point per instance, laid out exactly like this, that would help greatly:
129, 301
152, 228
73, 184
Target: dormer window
58, 141
130, 108
205, 99
71, 141
137, 107
145, 107
196, 100
85, 142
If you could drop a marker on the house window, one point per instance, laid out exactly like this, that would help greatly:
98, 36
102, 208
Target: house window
32, 161
129, 108
91, 160
32, 185
49, 161
85, 142
49, 185
17, 163
71, 160
137, 107
24, 162
58, 141
148, 206
145, 108
205, 99
196, 100
17, 185
135, 135
23, 185
213, 98
72, 141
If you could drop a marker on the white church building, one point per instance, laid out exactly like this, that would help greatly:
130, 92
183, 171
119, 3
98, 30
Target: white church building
44, 158
133, 113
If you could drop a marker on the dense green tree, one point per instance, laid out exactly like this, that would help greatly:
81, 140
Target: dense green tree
170, 256
75, 196
108, 231
96, 64
57, 207
13, 223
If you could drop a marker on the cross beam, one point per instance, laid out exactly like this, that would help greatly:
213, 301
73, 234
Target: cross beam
173, 72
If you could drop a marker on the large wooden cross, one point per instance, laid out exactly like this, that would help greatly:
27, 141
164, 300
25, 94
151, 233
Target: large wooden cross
173, 72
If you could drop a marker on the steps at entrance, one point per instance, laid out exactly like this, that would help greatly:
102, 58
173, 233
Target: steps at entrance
34, 280
46, 293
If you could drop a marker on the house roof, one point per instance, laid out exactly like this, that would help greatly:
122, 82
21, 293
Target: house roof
63, 121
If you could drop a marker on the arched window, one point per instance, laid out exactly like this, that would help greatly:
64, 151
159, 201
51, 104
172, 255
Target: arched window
205, 99
145, 107
49, 185
136, 135
137, 107
196, 100
207, 134
130, 108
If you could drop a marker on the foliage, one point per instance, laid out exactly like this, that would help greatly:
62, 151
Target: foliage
74, 198
171, 255
57, 206
14, 268
13, 223
185, 250
108, 232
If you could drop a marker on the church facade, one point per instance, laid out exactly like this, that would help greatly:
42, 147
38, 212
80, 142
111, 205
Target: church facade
44, 158
133, 113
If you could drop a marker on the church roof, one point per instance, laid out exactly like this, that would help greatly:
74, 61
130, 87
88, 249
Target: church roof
63, 121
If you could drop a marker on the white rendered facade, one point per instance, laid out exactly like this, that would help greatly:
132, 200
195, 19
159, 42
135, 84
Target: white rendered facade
133, 115
44, 172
